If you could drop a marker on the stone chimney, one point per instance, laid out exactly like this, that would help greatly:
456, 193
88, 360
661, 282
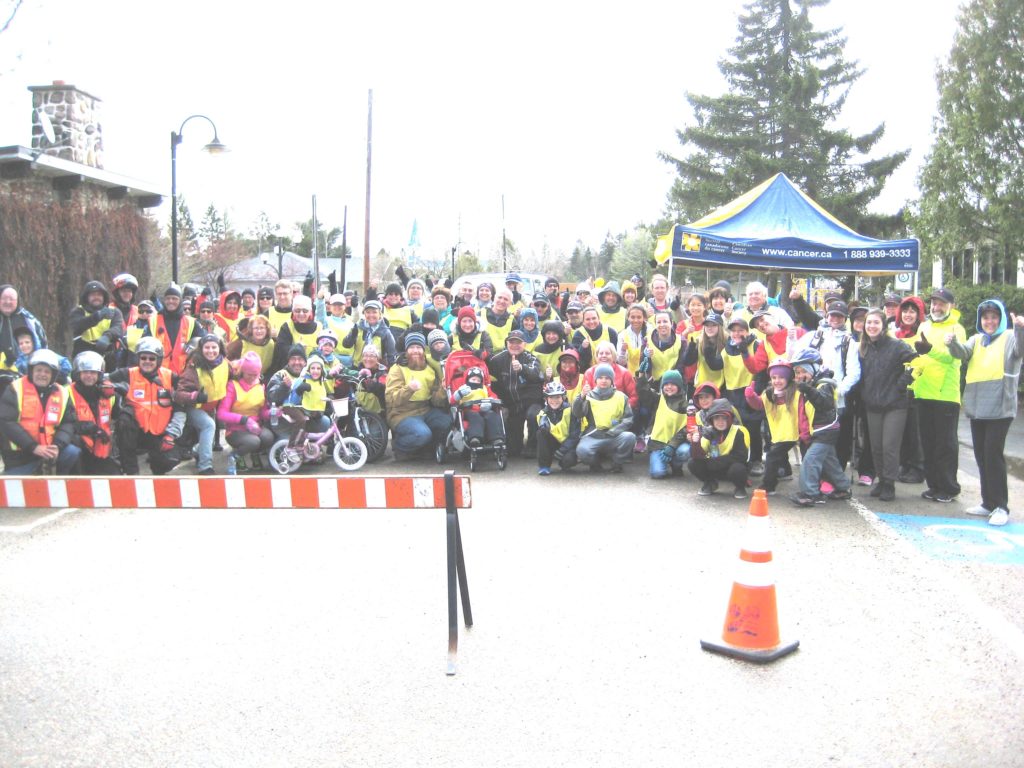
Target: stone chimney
71, 118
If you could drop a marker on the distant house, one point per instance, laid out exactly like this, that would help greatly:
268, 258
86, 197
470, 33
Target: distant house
263, 270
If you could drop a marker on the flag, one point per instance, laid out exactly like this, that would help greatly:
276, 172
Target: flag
663, 248
414, 238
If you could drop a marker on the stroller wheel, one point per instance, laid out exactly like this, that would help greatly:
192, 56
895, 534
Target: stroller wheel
502, 458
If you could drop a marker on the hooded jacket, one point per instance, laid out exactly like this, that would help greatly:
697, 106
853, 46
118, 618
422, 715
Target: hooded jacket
993, 367
909, 333
228, 320
95, 329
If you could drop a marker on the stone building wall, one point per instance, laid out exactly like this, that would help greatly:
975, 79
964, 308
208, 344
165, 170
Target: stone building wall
74, 116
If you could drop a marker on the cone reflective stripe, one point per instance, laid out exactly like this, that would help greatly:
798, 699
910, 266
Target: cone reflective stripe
316, 492
751, 629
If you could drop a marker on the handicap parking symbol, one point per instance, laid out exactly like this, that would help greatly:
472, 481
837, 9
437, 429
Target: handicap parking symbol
953, 538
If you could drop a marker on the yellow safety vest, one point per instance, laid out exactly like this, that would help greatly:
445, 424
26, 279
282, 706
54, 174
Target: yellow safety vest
604, 412
662, 361
736, 374
426, 378
783, 420
316, 398
265, 353
399, 318
988, 363
595, 343
248, 402
667, 422
706, 375
307, 340
93, 334
559, 431
278, 318
215, 382
498, 333
725, 447
617, 320
632, 353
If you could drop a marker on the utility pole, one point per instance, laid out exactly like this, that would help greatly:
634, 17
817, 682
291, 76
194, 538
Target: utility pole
504, 241
366, 233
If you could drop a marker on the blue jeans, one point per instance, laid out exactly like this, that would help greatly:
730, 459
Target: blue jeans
660, 468
821, 463
66, 461
414, 433
203, 423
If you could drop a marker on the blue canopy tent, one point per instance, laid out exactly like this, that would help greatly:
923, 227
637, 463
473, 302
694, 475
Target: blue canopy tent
775, 226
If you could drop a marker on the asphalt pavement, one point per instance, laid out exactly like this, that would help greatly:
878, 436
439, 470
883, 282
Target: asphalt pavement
319, 637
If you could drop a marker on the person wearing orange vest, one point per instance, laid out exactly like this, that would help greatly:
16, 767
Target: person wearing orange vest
146, 410
174, 329
36, 424
95, 411
244, 412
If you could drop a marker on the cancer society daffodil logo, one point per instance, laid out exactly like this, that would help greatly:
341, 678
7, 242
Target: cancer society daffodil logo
691, 242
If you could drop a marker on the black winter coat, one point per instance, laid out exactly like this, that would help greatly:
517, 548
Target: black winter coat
884, 377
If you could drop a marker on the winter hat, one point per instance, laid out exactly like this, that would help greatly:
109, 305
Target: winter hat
415, 338
302, 302
208, 305
265, 293
173, 290
603, 369
430, 315
436, 335
251, 363
393, 288
373, 304
249, 292
529, 312
672, 376
297, 350
416, 281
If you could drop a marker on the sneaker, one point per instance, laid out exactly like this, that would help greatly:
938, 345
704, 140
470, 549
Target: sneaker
978, 511
888, 492
841, 495
932, 495
929, 494
876, 489
739, 492
803, 501
757, 469
999, 516
544, 471
865, 480
709, 487
826, 487
641, 445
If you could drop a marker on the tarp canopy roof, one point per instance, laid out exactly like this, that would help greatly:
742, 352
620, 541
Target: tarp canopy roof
775, 226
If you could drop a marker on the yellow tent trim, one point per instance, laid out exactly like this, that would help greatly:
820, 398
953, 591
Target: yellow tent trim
663, 248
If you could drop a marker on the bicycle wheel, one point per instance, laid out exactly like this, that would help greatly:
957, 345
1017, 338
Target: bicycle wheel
372, 429
284, 459
350, 453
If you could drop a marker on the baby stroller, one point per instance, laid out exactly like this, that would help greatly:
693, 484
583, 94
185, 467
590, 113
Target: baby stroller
456, 367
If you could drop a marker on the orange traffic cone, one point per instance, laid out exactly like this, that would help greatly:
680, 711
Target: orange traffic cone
751, 629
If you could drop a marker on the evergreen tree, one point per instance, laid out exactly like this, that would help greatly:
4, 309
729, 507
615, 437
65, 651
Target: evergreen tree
972, 182
581, 262
787, 86
213, 228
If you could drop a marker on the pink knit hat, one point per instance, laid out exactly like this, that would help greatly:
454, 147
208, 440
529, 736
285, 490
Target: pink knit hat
251, 363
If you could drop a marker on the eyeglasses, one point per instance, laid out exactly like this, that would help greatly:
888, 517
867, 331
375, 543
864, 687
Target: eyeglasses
147, 358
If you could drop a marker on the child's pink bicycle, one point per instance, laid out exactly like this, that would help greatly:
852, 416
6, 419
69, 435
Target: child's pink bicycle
350, 453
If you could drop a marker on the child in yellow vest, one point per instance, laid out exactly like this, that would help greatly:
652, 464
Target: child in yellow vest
483, 422
307, 403
720, 451
557, 432
780, 404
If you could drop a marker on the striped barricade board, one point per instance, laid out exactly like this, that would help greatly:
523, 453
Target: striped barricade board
323, 492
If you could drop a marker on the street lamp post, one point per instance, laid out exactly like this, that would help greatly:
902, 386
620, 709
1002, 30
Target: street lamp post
215, 147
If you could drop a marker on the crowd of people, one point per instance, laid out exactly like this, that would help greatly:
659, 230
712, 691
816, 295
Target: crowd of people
734, 393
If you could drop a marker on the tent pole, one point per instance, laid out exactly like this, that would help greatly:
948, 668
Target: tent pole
670, 262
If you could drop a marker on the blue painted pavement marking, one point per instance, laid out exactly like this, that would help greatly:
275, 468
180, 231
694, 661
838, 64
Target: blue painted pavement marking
957, 538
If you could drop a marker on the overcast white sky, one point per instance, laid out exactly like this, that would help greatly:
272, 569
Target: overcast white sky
560, 106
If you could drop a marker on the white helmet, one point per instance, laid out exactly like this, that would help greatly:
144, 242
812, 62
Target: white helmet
45, 357
125, 280
87, 361
150, 346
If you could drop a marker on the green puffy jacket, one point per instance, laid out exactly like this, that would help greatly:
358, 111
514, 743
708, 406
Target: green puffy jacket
940, 371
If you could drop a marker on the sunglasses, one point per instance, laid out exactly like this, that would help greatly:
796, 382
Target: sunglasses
145, 311
147, 358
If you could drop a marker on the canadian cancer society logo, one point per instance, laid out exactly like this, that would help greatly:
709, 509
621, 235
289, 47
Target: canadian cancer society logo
691, 242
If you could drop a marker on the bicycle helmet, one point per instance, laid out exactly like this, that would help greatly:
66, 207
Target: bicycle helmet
554, 389
327, 335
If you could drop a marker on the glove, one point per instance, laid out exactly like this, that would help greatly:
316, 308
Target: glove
462, 391
107, 389
332, 282
253, 426
747, 341
922, 345
108, 313
303, 388
354, 301
668, 453
733, 349
163, 396
88, 428
102, 344
804, 388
